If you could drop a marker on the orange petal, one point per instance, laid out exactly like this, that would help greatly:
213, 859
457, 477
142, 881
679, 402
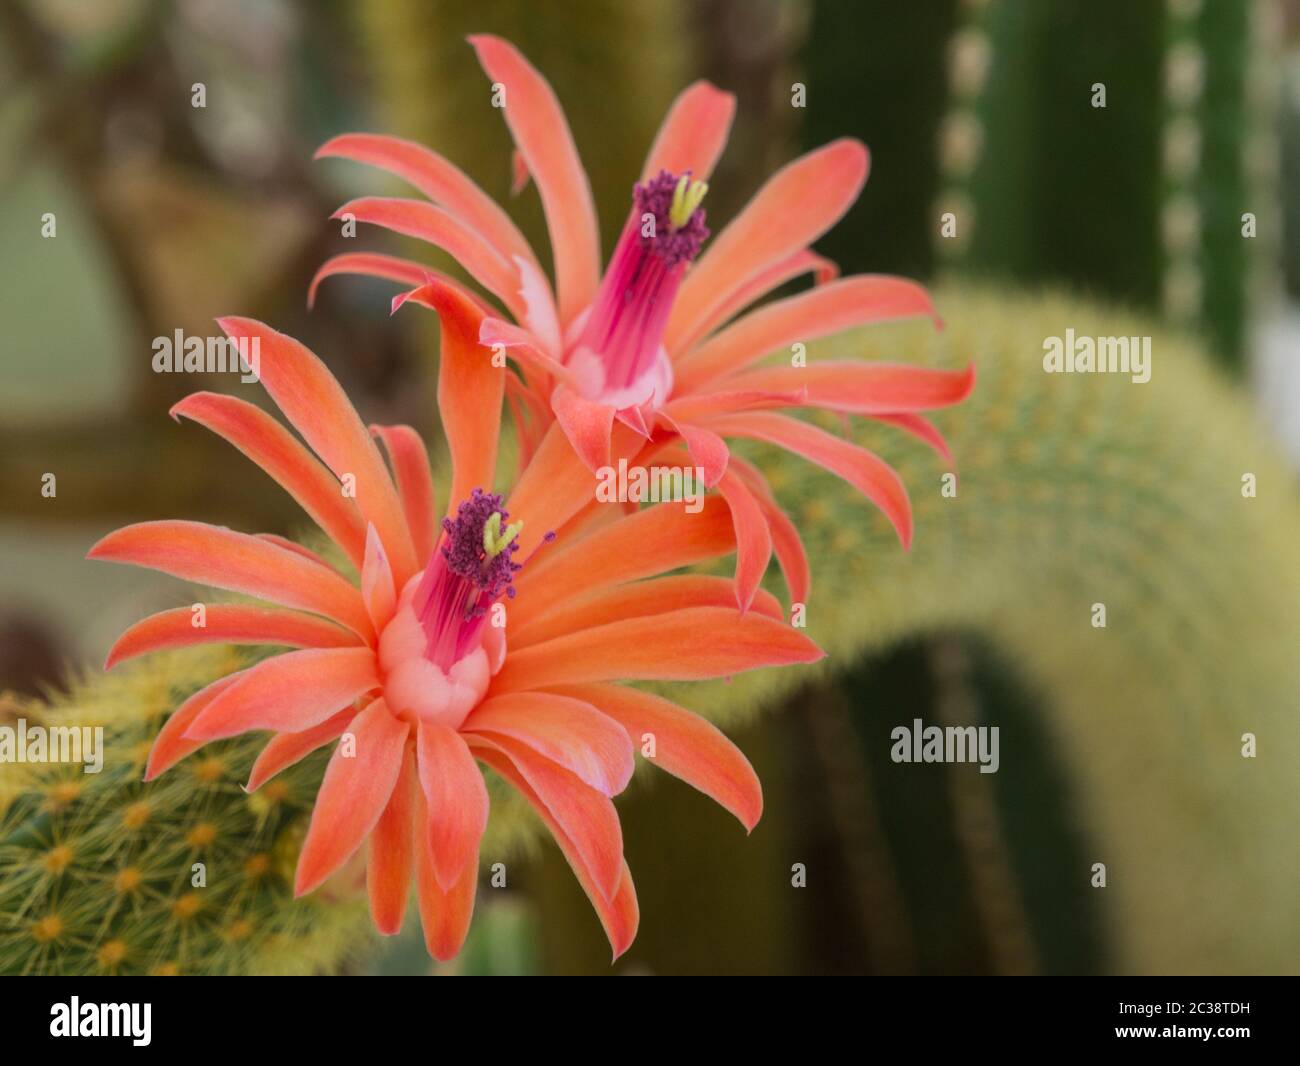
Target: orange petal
708, 450
686, 645
567, 731
799, 203
864, 388
314, 402
440, 180
587, 817
289, 693
765, 281
353, 795
391, 857
804, 317
786, 542
456, 801
587, 424
172, 745
445, 916
430, 223
470, 391
414, 478
227, 624
647, 542
710, 404
685, 745
370, 264
519, 176
377, 588
275, 450
635, 600
285, 749
619, 916
297, 549
753, 538
524, 347
554, 487
542, 136
864, 470
222, 558
921, 428
693, 134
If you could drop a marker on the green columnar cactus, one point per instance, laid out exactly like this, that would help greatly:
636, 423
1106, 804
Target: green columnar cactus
1073, 490
1140, 200
101, 873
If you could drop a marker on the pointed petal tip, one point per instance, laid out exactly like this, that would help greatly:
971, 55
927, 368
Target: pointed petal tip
328, 150
101, 547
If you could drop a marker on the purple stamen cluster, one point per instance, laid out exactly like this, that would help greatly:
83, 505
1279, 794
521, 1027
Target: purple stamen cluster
673, 246
463, 548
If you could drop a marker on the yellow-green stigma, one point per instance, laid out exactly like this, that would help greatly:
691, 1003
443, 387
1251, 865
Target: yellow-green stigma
687, 196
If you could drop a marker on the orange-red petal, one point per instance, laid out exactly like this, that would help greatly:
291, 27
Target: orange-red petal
647, 542
372, 265
864, 388
567, 731
786, 542
693, 134
686, 645
864, 470
353, 795
799, 203
285, 749
430, 223
542, 136
445, 915
470, 391
377, 589
619, 915
753, 538
636, 599
226, 623
289, 693
172, 745
684, 745
456, 801
587, 424
391, 856
275, 450
439, 180
806, 316
414, 478
315, 403
222, 558
586, 816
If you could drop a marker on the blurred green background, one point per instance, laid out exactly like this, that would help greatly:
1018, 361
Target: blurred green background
168, 215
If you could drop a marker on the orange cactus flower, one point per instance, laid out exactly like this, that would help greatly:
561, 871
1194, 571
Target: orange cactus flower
422, 670
663, 348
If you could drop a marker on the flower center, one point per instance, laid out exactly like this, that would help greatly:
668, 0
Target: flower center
438, 653
471, 568
624, 331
